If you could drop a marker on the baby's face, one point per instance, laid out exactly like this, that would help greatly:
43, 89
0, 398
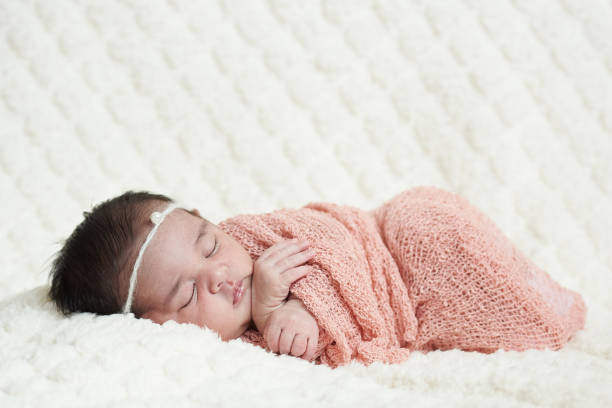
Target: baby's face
193, 272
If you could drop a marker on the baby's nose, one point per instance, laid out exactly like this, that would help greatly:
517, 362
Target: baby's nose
219, 285
218, 278
216, 286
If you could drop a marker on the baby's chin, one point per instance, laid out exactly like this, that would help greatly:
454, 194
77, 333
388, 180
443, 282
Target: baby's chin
237, 334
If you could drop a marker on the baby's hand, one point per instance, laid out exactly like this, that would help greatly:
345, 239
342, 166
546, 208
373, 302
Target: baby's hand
291, 329
273, 273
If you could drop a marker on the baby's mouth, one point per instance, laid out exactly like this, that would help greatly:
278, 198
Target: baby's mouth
238, 291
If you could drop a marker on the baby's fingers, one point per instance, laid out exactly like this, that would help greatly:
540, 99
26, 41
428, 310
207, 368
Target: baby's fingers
293, 274
311, 348
272, 337
298, 347
283, 249
286, 340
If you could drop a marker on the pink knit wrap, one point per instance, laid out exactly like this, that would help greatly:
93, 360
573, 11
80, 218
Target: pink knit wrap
425, 270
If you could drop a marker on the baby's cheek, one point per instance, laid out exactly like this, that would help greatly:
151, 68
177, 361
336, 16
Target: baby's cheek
209, 315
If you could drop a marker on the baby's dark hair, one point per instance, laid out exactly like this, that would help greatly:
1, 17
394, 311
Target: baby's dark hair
86, 272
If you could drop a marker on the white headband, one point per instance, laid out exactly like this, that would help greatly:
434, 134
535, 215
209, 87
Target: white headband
156, 218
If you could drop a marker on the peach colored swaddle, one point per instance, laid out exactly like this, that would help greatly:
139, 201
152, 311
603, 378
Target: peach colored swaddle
425, 270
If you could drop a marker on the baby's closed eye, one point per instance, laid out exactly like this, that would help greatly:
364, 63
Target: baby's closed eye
194, 296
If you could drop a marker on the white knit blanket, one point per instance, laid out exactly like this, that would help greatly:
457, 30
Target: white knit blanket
249, 106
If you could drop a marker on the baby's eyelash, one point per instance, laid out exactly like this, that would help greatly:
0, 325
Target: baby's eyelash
214, 249
194, 294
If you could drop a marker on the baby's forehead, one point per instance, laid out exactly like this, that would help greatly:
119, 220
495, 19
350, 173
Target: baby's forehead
187, 226
193, 218
181, 220
174, 222
176, 235
187, 211
180, 213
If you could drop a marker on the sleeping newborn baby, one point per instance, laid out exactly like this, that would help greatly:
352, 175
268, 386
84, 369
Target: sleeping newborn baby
191, 272
325, 282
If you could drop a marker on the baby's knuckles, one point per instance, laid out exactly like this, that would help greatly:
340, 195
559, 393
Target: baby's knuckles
292, 317
285, 320
267, 283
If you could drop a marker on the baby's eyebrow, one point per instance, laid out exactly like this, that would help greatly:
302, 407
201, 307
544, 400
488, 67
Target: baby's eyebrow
202, 230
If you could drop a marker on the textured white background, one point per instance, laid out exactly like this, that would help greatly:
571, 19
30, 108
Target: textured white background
249, 106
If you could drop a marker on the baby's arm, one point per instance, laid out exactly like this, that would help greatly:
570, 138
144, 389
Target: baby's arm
273, 273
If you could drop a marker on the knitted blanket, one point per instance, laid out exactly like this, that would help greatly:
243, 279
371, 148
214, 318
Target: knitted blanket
425, 270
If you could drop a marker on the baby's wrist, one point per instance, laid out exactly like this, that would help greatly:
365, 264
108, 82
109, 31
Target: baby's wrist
261, 314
